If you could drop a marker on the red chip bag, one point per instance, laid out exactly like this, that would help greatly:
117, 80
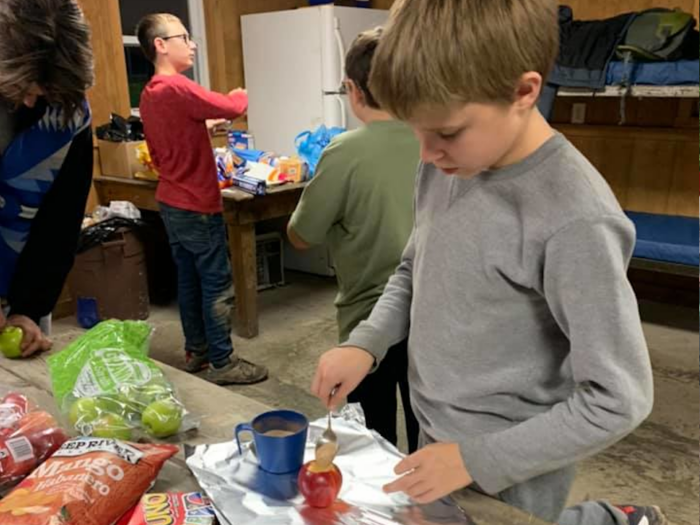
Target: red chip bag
88, 481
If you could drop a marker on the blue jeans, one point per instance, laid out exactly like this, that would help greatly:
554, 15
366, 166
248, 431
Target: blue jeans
205, 286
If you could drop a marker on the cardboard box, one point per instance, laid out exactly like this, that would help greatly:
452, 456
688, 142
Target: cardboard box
118, 159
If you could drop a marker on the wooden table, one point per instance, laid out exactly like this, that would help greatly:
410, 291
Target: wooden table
221, 410
241, 211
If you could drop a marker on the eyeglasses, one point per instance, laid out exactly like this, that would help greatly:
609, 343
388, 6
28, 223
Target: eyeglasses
185, 37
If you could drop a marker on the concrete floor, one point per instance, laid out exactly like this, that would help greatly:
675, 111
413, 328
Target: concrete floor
657, 464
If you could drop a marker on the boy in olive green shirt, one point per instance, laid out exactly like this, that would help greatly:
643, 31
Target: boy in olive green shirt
360, 202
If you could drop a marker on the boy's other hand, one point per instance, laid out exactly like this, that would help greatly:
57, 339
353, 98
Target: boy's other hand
34, 340
433, 472
213, 122
344, 367
237, 91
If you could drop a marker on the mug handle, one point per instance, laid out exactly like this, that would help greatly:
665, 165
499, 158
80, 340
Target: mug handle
242, 427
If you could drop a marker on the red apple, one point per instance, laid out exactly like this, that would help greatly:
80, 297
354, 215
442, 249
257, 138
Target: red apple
12, 471
320, 484
46, 442
12, 408
18, 400
36, 422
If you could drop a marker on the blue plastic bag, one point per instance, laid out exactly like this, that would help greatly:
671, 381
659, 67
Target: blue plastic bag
310, 144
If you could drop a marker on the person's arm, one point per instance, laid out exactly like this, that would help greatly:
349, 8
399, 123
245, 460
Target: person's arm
202, 104
295, 240
322, 204
389, 321
48, 256
585, 284
341, 369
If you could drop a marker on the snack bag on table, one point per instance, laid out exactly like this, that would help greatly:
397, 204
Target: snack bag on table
107, 387
88, 481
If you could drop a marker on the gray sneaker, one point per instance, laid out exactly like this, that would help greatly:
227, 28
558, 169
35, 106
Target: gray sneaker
196, 362
241, 372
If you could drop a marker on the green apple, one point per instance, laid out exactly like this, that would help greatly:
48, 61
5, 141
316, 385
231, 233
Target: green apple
130, 407
110, 404
111, 426
147, 394
84, 410
162, 418
11, 342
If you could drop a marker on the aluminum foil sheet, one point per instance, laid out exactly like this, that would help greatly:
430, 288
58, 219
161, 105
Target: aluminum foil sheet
243, 494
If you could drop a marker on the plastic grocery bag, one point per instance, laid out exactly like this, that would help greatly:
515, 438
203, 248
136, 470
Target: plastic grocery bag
106, 385
28, 437
310, 145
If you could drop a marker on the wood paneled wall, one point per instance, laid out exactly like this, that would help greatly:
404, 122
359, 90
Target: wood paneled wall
594, 9
111, 92
224, 43
649, 169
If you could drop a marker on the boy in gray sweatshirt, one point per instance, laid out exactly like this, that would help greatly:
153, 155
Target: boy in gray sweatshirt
526, 352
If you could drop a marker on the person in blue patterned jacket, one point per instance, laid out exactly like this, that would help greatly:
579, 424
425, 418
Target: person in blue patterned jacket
46, 156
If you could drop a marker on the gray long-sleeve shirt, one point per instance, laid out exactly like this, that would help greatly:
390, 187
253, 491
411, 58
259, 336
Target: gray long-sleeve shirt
525, 343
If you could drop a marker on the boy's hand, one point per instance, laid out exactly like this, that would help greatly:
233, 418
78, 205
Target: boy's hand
213, 122
34, 340
433, 472
344, 367
237, 91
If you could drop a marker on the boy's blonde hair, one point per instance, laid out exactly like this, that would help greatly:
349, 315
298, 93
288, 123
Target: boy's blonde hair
439, 52
151, 27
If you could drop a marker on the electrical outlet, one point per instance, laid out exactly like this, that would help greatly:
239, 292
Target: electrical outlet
578, 113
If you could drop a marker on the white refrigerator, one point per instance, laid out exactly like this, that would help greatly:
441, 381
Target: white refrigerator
294, 63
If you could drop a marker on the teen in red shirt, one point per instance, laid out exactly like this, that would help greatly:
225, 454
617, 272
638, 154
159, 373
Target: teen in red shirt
174, 111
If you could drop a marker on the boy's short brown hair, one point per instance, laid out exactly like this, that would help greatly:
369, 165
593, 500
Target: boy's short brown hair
439, 52
151, 27
358, 62
46, 42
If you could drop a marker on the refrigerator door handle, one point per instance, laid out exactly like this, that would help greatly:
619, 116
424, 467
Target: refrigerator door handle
343, 112
341, 49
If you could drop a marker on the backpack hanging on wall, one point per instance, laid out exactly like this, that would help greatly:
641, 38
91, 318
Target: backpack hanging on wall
656, 35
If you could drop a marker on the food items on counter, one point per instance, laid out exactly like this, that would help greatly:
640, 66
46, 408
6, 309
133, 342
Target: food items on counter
320, 484
104, 382
174, 508
162, 418
111, 426
11, 342
13, 407
84, 411
88, 481
27, 438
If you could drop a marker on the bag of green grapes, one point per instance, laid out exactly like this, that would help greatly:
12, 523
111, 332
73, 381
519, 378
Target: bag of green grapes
106, 385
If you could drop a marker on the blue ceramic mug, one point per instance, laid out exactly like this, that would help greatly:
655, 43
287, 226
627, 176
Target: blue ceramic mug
280, 439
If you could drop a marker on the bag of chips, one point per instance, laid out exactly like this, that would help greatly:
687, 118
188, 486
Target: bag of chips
88, 481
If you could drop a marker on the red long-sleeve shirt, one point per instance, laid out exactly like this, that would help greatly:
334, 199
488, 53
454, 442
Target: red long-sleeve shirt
174, 110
